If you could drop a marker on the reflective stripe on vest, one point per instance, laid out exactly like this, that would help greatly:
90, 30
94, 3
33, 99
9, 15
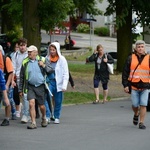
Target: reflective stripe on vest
142, 72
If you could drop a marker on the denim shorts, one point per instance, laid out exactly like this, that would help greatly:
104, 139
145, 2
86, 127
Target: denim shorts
139, 97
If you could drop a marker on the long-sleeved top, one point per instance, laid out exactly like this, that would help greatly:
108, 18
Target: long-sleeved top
101, 68
17, 60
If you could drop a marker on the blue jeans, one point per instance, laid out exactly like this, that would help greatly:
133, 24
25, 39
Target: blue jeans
139, 97
47, 107
25, 102
12, 103
58, 98
11, 100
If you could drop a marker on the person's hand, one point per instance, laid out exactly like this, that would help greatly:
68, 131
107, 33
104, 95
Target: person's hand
6, 100
63, 90
95, 51
126, 89
105, 60
20, 94
13, 84
41, 63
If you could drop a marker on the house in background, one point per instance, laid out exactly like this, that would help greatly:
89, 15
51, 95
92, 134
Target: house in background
95, 21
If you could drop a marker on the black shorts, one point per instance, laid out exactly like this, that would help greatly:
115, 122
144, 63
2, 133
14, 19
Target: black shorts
37, 93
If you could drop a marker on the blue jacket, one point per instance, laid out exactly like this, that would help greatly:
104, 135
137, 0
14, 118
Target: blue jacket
2, 81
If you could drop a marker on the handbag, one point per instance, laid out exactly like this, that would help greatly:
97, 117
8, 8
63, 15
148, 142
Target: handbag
110, 68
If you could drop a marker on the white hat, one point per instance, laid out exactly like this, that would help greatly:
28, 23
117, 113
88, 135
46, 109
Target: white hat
32, 48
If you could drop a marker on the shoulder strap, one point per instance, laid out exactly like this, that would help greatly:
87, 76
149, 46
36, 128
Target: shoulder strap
135, 67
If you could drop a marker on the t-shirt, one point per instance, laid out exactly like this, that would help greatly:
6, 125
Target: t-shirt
6, 65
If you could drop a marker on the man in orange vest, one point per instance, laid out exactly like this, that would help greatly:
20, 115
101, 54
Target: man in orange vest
136, 73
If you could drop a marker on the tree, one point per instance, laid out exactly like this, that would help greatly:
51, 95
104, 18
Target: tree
123, 10
31, 22
88, 6
35, 15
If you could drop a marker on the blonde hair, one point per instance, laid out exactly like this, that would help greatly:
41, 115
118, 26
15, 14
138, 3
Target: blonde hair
99, 46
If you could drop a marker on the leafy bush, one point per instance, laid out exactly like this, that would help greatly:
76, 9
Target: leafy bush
101, 31
83, 28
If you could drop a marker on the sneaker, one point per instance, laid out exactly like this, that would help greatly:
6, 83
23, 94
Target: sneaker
52, 118
56, 121
24, 119
17, 114
44, 123
5, 122
48, 120
13, 117
142, 126
32, 126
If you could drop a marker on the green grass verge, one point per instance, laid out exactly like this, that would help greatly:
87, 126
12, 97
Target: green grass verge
79, 57
81, 68
79, 98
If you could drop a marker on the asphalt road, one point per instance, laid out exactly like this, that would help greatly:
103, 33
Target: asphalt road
83, 127
87, 40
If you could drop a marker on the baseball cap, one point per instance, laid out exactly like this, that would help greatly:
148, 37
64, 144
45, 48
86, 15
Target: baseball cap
32, 48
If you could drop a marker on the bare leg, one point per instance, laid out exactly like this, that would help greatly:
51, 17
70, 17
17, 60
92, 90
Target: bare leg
96, 91
32, 110
43, 111
142, 113
135, 110
7, 111
105, 94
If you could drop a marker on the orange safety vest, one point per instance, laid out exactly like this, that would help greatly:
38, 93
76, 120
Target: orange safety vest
142, 72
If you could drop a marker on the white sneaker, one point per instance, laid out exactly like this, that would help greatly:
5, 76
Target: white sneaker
56, 121
24, 119
17, 114
48, 120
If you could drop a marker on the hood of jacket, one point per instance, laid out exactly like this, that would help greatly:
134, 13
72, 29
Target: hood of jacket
57, 45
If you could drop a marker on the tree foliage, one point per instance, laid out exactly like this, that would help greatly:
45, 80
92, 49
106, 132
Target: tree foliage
88, 6
123, 10
52, 12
